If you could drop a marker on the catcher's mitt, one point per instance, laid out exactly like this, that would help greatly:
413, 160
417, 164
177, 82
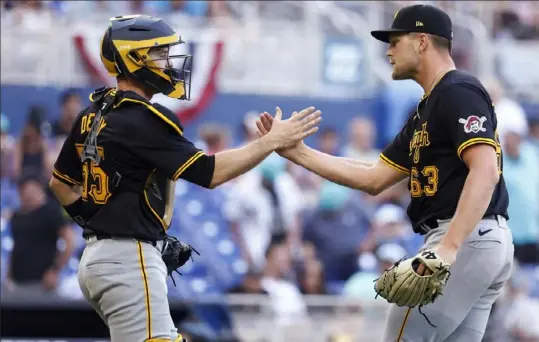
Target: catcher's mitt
404, 286
175, 254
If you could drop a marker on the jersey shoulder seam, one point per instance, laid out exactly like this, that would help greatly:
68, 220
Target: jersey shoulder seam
160, 112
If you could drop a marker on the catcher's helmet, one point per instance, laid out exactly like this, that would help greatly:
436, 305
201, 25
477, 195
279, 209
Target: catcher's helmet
129, 48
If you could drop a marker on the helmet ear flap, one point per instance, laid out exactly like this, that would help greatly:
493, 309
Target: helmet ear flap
108, 54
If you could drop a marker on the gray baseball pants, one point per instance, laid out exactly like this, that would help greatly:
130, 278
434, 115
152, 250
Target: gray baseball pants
482, 267
125, 282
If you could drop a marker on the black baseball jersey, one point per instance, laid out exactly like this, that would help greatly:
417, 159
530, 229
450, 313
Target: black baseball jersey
457, 114
143, 151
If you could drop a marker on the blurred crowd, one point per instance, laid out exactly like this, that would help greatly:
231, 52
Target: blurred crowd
26, 11
508, 19
297, 233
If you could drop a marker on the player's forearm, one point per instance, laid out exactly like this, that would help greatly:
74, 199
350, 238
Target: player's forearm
356, 162
337, 169
65, 194
474, 201
233, 163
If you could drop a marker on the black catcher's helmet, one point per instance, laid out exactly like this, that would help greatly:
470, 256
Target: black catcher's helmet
138, 47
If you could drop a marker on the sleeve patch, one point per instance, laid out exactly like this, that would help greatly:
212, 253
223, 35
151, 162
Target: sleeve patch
473, 124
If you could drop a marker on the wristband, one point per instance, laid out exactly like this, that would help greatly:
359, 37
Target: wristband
76, 211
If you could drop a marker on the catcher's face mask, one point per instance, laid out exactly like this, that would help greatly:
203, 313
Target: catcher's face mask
151, 62
171, 73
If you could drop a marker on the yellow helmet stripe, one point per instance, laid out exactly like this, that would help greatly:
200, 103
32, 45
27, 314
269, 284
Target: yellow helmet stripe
122, 45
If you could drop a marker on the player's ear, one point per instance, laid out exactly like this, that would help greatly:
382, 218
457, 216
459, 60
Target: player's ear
421, 42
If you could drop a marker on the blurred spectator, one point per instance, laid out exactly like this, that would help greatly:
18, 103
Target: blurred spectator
288, 304
114, 8
507, 24
195, 8
328, 141
311, 277
216, 137
252, 284
508, 112
520, 164
31, 153
71, 105
264, 202
8, 190
32, 15
35, 261
218, 9
336, 229
361, 284
518, 312
517, 23
362, 137
248, 127
534, 132
391, 225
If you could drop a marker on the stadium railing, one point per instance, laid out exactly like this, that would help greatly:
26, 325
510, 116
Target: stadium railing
254, 318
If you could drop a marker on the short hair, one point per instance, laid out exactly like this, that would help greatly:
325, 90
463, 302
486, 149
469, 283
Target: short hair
441, 43
68, 94
327, 131
29, 176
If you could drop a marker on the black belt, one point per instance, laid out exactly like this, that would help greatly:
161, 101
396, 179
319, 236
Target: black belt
432, 223
107, 237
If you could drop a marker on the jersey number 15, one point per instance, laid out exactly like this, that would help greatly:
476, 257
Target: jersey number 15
95, 182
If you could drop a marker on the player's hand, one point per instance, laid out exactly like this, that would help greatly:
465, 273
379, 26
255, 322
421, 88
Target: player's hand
265, 124
287, 133
50, 280
449, 255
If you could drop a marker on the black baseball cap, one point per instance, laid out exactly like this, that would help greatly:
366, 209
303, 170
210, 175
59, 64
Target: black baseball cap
418, 18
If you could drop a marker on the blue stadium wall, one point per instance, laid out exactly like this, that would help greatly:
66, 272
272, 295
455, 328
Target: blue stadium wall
231, 108
226, 108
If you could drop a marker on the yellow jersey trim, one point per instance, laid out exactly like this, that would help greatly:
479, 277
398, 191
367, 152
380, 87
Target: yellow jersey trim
185, 165
111, 91
64, 177
474, 141
146, 290
159, 218
153, 110
394, 165
401, 331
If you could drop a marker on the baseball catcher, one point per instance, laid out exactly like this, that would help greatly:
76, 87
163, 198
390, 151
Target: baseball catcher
116, 171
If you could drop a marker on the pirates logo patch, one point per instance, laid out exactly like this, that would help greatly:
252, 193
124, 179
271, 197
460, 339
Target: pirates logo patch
473, 124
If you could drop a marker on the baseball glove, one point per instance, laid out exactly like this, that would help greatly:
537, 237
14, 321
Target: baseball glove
175, 254
404, 286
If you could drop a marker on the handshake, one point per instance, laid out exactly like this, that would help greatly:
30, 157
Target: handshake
286, 136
